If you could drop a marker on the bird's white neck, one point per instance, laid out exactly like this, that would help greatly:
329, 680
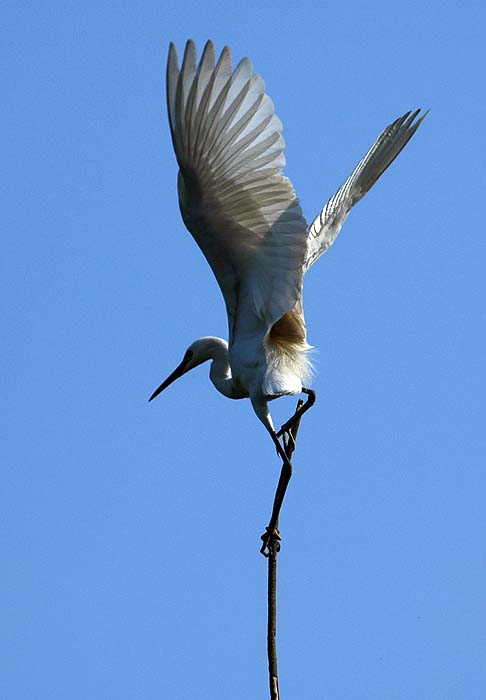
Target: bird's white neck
220, 371
216, 349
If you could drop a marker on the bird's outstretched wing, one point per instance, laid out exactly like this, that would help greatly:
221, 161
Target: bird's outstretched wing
326, 226
241, 210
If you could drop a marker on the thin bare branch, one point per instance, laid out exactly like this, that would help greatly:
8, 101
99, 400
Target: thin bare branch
272, 548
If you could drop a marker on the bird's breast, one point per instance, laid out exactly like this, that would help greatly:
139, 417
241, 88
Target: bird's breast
262, 371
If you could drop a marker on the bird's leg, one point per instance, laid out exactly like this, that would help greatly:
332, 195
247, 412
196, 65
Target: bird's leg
283, 482
285, 476
289, 426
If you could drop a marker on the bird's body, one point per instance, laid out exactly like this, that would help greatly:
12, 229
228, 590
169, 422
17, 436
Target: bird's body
247, 220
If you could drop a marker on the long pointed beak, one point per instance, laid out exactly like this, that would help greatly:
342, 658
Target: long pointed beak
178, 372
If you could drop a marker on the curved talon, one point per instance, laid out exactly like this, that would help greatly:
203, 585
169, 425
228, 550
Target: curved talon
286, 429
287, 439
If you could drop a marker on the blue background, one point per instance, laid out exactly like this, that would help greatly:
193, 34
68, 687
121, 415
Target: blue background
130, 532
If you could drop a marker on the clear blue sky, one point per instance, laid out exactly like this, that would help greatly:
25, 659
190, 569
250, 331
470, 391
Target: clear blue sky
130, 532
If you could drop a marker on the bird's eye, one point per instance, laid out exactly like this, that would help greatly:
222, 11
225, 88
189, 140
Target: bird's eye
188, 356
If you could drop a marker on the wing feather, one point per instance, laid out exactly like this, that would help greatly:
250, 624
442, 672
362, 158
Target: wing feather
241, 210
326, 226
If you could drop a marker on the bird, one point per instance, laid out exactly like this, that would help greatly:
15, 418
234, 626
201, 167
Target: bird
246, 218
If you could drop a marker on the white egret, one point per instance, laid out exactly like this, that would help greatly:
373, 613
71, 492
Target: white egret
246, 218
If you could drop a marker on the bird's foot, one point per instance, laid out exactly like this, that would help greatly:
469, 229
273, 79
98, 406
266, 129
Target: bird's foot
301, 409
285, 431
288, 439
271, 540
288, 442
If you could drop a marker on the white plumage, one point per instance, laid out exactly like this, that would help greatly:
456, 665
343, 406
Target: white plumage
246, 218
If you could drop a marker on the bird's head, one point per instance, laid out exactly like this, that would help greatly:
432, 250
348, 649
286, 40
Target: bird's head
198, 352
